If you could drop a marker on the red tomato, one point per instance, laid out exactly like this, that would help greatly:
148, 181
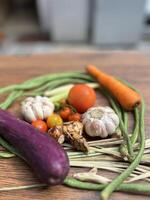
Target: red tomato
65, 112
81, 97
74, 117
40, 125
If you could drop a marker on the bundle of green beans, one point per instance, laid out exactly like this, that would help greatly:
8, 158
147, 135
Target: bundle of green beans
39, 85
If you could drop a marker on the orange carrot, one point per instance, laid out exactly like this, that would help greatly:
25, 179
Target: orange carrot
127, 97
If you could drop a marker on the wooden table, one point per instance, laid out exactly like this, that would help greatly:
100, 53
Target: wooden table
132, 66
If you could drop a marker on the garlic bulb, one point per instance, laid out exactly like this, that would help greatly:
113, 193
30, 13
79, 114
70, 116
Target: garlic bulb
100, 121
38, 107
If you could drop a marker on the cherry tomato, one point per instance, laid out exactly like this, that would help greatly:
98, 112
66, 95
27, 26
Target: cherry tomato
40, 125
65, 112
54, 120
74, 117
81, 97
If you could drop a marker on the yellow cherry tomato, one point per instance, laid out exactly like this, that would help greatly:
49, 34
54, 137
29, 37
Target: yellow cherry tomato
54, 120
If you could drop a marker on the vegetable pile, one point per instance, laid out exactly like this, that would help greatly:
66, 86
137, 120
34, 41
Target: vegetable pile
62, 120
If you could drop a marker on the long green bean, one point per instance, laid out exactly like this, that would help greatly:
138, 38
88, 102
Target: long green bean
125, 120
42, 80
45, 77
30, 87
10, 99
129, 154
56, 83
10, 148
32, 82
125, 187
134, 136
117, 181
53, 84
71, 182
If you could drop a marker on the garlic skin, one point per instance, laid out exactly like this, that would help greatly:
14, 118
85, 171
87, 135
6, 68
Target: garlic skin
38, 107
100, 121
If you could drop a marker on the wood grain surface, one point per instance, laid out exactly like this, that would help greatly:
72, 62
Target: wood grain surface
132, 66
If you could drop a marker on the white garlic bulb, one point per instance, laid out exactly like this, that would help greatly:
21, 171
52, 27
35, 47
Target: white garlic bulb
38, 107
100, 121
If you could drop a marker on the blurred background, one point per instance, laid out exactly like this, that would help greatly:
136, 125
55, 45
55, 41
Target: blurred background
45, 26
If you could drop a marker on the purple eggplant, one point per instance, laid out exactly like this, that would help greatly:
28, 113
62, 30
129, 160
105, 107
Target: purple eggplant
43, 154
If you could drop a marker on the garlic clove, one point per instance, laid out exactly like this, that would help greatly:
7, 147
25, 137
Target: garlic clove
109, 125
47, 102
88, 129
38, 99
114, 118
28, 103
108, 109
96, 127
37, 109
47, 111
28, 113
104, 132
84, 118
92, 128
